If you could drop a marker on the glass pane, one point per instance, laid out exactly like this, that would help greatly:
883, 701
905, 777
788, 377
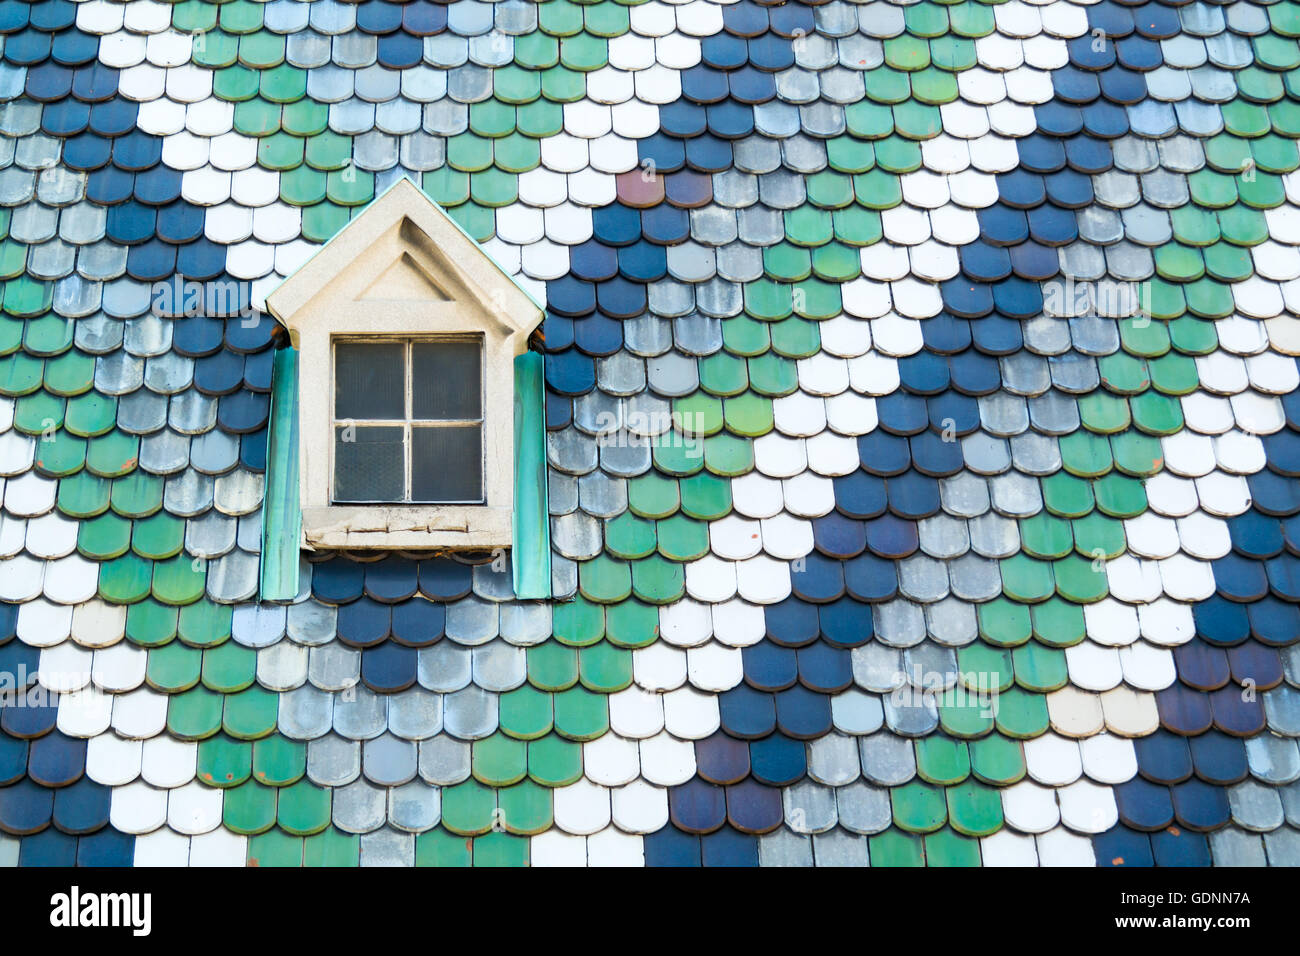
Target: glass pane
447, 463
368, 380
368, 463
445, 380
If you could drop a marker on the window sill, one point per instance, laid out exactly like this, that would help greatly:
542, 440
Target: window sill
406, 527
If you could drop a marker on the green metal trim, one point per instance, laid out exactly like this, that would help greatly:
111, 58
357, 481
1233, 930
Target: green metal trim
532, 526
281, 513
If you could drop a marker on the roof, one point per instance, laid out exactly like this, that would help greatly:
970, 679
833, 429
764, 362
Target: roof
939, 577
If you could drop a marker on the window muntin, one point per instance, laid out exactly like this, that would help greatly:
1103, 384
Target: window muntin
408, 420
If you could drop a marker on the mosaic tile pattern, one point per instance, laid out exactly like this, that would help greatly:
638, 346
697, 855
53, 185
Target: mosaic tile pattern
922, 428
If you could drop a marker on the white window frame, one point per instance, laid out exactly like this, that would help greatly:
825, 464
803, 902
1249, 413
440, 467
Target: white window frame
408, 423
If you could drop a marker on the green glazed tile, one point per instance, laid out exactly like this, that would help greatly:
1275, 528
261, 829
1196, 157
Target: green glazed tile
1039, 668
1058, 623
304, 117
1157, 414
604, 580
895, 847
974, 810
554, 761
749, 415
552, 666
918, 807
580, 714
179, 580
274, 848
728, 455
204, 624
125, 580
151, 624
1174, 374
652, 496
657, 580
91, 414
1026, 579
1137, 454
172, 668
525, 713
985, 668
1194, 225
1209, 299
1044, 536
525, 808
864, 120
304, 808
1004, 623
953, 54
584, 52
705, 496
439, 848
107, 536
772, 374
329, 150
1097, 536
562, 85
916, 120
223, 762
577, 622
332, 848
113, 455
1081, 579
907, 53
251, 713
966, 713
195, 714
235, 83
1021, 714
498, 760
257, 117
949, 848
1066, 496
137, 495
789, 263
605, 668
942, 760
158, 537
322, 221
60, 454
229, 668
468, 808
350, 186
1103, 413
279, 761
1123, 373
500, 849
1085, 454
72, 373
997, 760
1120, 496
491, 118
632, 624
249, 808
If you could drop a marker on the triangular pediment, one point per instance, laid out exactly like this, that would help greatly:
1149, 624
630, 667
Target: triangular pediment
405, 281
401, 251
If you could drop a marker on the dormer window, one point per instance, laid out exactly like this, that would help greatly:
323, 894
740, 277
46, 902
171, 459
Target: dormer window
406, 335
408, 420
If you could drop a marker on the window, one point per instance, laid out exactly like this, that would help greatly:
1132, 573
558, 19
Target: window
408, 421
410, 339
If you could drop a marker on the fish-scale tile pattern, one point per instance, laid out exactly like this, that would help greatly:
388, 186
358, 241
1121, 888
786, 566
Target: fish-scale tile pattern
921, 441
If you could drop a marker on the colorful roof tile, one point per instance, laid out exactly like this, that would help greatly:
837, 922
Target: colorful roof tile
922, 433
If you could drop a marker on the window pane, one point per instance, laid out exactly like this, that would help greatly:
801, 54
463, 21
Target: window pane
368, 380
447, 463
368, 464
445, 380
